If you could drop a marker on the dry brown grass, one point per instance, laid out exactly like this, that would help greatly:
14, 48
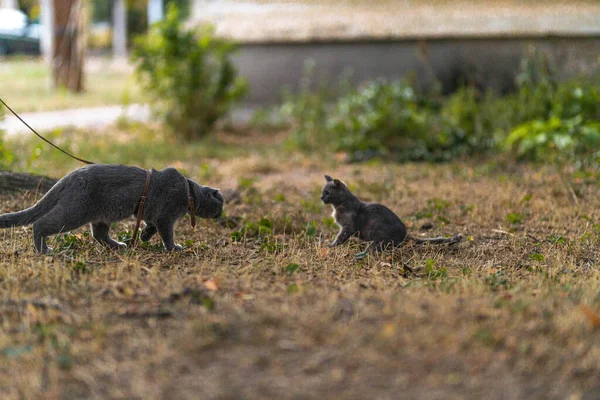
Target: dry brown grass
495, 317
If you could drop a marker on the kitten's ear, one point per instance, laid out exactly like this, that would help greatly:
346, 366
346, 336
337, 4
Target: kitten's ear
328, 178
338, 183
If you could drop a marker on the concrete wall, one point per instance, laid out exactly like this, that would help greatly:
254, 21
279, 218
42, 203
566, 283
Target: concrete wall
491, 63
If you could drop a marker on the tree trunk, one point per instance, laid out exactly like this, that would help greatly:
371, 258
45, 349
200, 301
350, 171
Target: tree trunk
46, 38
119, 29
68, 44
15, 181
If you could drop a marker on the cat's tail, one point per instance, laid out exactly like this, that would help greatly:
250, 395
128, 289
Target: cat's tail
438, 240
31, 214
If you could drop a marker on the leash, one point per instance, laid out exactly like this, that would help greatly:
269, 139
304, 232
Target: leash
141, 207
191, 208
43, 138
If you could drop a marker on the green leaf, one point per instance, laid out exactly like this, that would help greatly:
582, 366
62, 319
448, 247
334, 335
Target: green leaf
536, 256
291, 268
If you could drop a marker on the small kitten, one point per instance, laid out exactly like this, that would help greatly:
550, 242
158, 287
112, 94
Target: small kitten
100, 194
372, 222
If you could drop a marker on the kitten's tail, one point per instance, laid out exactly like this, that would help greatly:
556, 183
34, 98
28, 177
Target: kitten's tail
439, 240
31, 214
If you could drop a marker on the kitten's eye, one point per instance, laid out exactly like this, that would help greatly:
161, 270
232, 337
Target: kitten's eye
327, 193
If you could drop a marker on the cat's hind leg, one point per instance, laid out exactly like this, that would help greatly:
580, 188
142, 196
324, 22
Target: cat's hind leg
148, 232
39, 239
380, 246
165, 230
56, 221
100, 233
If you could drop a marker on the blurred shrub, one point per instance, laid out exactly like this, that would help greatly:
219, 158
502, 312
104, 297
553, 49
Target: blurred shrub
390, 118
191, 80
560, 122
540, 120
558, 140
385, 118
570, 133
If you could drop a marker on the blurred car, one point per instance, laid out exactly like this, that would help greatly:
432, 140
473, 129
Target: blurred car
18, 34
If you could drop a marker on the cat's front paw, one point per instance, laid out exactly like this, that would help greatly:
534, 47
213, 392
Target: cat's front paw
46, 251
331, 244
177, 247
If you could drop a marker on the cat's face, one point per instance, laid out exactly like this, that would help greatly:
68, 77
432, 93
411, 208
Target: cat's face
335, 191
210, 204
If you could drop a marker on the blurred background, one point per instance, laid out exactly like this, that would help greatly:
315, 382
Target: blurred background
407, 80
473, 117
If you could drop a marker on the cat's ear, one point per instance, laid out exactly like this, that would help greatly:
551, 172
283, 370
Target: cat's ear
328, 178
338, 183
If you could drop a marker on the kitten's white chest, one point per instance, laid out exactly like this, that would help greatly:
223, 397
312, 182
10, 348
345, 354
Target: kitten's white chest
333, 214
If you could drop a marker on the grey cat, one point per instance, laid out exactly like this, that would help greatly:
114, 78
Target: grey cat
100, 194
372, 222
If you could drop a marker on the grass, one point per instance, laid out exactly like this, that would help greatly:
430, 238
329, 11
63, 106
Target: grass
281, 316
25, 86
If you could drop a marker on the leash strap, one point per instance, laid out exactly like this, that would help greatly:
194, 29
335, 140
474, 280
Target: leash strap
192, 215
43, 138
143, 202
192, 209
141, 207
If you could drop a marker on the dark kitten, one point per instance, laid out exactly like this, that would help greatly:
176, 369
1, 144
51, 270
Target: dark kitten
372, 222
101, 194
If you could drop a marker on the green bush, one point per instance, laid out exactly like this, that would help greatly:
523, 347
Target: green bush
558, 140
191, 79
387, 117
540, 120
570, 132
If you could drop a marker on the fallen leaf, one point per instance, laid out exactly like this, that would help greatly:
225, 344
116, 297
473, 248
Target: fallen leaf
591, 315
212, 284
388, 330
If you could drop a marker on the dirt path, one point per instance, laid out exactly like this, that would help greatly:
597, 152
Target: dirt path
94, 117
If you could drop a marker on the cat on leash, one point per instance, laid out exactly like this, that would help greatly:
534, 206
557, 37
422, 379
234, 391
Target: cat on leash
100, 194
